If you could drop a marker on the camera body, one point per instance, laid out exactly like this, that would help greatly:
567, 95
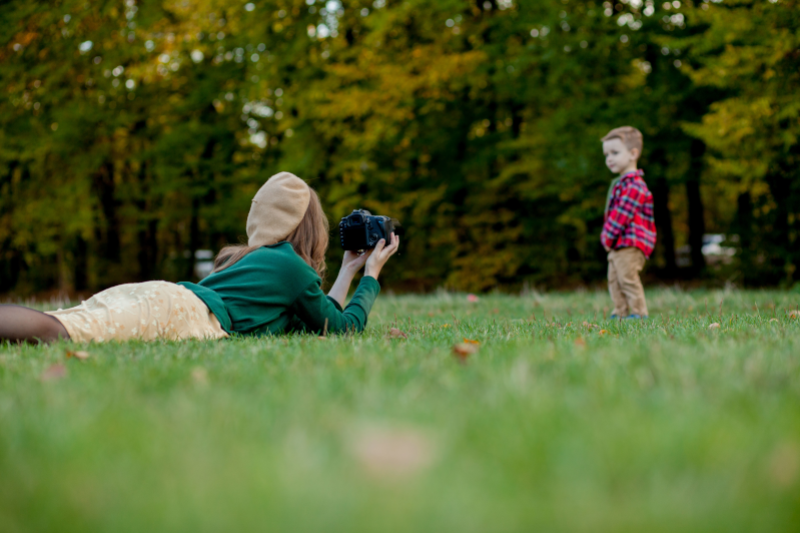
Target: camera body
361, 230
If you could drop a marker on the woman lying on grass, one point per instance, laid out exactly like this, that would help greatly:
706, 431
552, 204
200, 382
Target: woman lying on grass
269, 286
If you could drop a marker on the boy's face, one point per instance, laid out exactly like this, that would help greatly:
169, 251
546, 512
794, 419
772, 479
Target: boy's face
618, 157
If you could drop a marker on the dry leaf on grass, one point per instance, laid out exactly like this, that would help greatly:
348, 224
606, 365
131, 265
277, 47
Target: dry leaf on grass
470, 341
784, 464
463, 350
715, 325
603, 332
773, 319
392, 453
200, 376
395, 333
78, 354
54, 372
794, 314
579, 342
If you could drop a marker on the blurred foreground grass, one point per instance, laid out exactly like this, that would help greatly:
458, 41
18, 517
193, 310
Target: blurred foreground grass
561, 421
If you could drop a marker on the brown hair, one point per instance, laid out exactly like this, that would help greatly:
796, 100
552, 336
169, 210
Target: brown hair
309, 240
630, 137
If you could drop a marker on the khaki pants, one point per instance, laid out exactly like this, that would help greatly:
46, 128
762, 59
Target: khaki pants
141, 311
624, 284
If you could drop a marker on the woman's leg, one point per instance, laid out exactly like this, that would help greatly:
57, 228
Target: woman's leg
21, 324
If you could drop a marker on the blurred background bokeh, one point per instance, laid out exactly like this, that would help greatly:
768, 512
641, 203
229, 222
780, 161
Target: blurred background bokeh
133, 134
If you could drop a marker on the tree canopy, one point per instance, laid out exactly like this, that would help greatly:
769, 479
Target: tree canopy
133, 134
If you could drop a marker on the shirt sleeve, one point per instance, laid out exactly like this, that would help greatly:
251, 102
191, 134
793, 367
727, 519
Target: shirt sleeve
620, 215
314, 309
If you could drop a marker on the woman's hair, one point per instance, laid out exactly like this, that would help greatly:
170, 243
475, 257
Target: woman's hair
309, 240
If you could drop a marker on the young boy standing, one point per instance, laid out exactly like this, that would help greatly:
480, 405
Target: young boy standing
629, 231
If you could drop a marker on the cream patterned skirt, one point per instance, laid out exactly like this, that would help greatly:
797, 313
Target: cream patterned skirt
141, 311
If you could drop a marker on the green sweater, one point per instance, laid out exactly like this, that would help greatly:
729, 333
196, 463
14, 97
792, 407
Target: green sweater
272, 290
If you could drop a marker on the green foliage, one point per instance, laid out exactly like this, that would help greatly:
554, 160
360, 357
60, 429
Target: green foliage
133, 134
552, 425
752, 52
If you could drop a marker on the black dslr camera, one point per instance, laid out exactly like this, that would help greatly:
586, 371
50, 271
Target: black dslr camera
361, 230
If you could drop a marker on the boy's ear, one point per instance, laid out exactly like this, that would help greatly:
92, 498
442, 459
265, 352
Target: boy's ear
635, 153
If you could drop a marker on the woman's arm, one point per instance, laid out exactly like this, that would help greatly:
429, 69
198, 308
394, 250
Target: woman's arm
320, 313
351, 264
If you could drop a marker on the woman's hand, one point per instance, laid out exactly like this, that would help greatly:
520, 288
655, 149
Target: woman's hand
353, 261
380, 255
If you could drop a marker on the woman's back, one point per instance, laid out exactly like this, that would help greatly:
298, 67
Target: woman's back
259, 290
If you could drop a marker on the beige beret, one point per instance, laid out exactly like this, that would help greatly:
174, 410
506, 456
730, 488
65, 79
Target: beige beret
277, 209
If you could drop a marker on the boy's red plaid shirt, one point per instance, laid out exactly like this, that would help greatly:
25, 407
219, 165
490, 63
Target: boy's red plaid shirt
629, 221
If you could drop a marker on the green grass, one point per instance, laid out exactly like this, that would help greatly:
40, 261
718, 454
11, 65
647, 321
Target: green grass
661, 425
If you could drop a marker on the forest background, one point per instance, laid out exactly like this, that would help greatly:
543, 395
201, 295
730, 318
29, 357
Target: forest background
133, 134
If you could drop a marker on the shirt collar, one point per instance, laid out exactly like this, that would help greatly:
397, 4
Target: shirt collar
635, 174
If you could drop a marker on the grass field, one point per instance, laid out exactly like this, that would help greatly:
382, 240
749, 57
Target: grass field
560, 420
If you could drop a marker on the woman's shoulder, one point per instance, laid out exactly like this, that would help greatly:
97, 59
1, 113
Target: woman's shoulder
283, 256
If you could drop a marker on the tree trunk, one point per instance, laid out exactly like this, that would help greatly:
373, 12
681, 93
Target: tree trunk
8, 273
194, 238
104, 186
779, 249
12, 269
663, 219
744, 228
80, 274
697, 226
147, 235
148, 247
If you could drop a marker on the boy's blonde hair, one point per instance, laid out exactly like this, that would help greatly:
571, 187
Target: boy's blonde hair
630, 137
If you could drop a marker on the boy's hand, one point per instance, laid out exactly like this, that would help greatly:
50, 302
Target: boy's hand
607, 248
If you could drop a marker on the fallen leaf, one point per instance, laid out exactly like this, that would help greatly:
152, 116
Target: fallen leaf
54, 372
773, 319
794, 314
392, 453
603, 332
470, 341
472, 298
463, 350
200, 375
78, 354
579, 342
784, 464
395, 333
588, 325
715, 325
